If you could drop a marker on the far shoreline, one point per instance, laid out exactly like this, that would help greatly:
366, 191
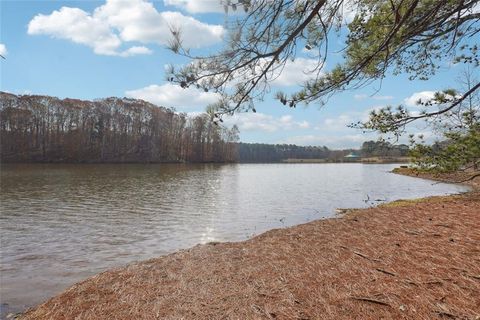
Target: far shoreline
365, 160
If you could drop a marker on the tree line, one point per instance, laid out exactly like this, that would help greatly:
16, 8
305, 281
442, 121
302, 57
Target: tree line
261, 152
47, 129
381, 148
37, 128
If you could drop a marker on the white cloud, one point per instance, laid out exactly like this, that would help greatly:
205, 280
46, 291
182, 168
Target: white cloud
196, 6
304, 124
331, 141
334, 132
383, 97
138, 20
341, 122
78, 26
422, 96
135, 50
174, 96
116, 22
475, 8
3, 50
296, 72
361, 96
206, 6
338, 123
194, 114
291, 74
263, 122
349, 10
364, 96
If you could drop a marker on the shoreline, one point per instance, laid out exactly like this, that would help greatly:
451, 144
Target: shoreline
358, 265
455, 177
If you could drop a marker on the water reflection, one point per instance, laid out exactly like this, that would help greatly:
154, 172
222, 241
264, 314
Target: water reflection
62, 223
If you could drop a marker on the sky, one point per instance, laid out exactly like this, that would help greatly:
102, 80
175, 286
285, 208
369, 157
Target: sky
97, 49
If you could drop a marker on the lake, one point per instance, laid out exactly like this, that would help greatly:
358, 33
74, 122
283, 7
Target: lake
62, 223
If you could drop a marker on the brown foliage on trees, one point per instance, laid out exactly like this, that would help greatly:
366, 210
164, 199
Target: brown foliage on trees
48, 129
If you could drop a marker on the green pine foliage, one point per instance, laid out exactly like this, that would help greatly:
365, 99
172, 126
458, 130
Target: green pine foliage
460, 150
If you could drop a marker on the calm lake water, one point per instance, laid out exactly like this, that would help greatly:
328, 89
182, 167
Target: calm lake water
63, 223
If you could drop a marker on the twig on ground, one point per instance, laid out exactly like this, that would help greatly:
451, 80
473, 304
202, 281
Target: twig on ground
446, 314
411, 282
412, 232
443, 225
361, 255
367, 299
386, 272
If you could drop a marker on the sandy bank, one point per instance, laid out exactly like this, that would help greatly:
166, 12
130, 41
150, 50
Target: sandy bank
411, 259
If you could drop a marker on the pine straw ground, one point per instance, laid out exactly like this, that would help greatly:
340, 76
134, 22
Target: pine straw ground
407, 259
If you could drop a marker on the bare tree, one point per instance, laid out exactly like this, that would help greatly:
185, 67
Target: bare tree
47, 129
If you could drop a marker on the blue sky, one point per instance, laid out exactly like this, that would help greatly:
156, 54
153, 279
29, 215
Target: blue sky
97, 49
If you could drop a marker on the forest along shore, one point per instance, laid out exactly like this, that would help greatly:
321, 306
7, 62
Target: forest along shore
407, 259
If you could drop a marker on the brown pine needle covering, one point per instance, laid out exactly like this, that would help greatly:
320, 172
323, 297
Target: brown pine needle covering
405, 260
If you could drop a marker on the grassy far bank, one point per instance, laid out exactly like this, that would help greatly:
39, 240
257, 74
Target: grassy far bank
417, 259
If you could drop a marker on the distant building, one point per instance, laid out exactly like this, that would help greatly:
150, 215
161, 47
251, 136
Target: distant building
351, 157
